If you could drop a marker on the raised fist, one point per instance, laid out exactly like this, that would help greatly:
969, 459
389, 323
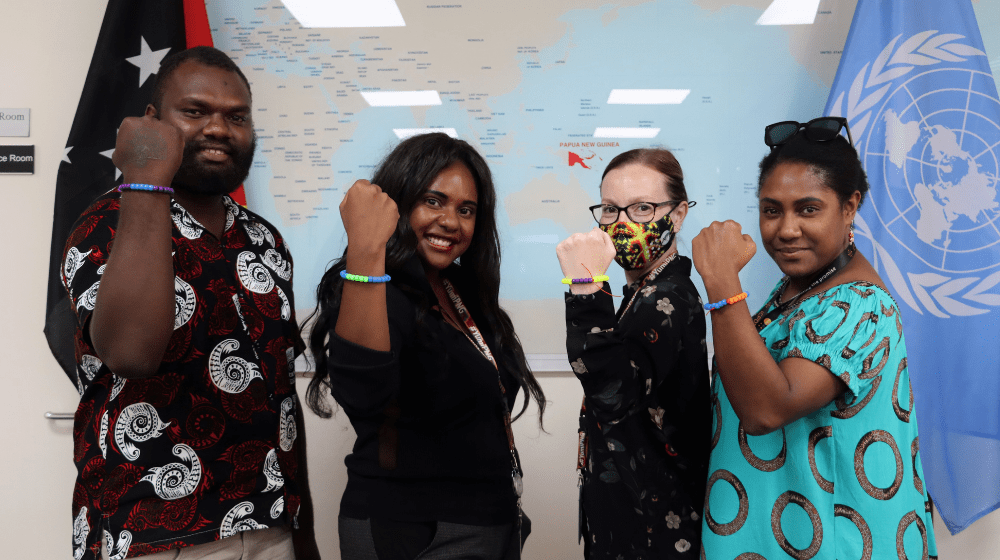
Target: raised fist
148, 151
722, 249
584, 254
369, 216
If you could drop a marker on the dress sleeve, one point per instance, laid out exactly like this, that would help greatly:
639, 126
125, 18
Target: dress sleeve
622, 367
850, 331
362, 380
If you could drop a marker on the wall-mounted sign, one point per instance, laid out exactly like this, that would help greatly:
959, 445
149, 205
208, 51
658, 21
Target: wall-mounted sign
17, 159
15, 122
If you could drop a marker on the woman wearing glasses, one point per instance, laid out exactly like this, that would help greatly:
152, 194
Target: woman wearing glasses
645, 421
814, 413
416, 349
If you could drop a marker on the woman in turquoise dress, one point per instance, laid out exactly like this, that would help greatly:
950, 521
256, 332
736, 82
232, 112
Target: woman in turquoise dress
815, 452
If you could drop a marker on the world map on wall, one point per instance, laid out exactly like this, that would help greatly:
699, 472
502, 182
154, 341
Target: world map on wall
547, 91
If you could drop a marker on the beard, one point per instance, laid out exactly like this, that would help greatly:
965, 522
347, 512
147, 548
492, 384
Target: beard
211, 179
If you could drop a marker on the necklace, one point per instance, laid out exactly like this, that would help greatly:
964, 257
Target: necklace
764, 318
649, 278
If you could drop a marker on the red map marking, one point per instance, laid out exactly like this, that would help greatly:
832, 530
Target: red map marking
574, 159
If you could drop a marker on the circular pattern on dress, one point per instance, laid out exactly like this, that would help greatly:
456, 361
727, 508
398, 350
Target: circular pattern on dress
750, 556
814, 437
904, 523
766, 465
844, 411
847, 353
901, 413
867, 371
820, 339
779, 507
914, 447
725, 529
840, 510
859, 465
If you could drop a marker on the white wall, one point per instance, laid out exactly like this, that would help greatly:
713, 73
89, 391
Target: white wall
44, 54
45, 48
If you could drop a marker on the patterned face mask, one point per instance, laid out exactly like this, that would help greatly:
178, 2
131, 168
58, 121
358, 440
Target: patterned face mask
637, 245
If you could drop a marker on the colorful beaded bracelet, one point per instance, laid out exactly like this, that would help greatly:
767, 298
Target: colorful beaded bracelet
729, 301
369, 279
141, 187
598, 278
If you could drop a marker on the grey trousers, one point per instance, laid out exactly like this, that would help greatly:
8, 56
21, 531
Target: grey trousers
452, 541
262, 544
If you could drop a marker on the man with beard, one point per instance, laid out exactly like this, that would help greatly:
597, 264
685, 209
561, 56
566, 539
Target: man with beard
189, 432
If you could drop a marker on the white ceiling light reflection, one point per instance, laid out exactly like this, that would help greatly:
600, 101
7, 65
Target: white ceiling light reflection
647, 96
624, 132
402, 98
404, 133
346, 13
790, 12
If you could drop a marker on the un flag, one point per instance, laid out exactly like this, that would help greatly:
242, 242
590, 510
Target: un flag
916, 88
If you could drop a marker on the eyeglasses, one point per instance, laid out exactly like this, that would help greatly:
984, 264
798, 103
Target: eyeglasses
638, 212
822, 129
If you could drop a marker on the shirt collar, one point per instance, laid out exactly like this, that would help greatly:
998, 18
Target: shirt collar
192, 228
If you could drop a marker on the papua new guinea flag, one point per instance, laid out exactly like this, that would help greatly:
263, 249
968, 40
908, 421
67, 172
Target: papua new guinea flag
134, 38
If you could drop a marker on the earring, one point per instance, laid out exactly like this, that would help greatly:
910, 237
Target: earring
850, 236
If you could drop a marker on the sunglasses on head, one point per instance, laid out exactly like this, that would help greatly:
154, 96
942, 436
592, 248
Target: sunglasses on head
822, 129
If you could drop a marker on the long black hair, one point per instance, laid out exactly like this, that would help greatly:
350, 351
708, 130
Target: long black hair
405, 175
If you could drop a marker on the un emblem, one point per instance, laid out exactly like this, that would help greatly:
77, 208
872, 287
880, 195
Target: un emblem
928, 135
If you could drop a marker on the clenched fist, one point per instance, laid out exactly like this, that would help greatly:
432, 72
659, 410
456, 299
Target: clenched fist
583, 254
721, 250
369, 216
148, 150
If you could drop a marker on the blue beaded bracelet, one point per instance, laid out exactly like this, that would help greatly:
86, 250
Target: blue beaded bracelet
728, 301
148, 188
367, 279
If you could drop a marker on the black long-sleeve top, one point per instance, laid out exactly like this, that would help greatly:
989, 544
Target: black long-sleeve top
428, 414
646, 417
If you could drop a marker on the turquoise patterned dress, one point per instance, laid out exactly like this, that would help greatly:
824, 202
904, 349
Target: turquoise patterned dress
844, 482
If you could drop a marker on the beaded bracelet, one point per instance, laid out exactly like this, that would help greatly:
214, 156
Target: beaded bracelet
598, 278
141, 187
729, 301
369, 279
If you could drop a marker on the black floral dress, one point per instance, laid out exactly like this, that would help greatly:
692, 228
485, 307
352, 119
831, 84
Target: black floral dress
646, 421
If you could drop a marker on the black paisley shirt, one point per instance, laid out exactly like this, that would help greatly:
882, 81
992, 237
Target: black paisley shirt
646, 417
206, 447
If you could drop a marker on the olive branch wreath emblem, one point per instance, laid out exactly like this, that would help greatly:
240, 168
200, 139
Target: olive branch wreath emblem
939, 294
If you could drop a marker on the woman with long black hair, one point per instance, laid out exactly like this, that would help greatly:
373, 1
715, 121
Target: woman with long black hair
410, 339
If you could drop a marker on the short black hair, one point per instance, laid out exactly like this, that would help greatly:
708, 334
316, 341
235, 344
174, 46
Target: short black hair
209, 56
835, 162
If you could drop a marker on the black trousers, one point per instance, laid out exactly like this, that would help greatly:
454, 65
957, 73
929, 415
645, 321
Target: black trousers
379, 539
